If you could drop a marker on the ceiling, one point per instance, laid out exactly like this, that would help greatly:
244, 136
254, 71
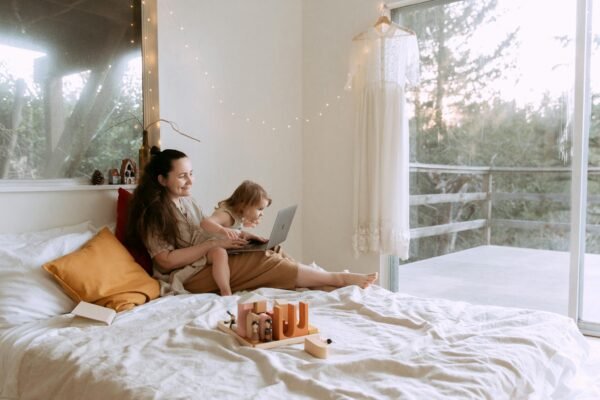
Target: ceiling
78, 32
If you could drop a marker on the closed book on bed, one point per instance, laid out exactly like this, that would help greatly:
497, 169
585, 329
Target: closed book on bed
95, 312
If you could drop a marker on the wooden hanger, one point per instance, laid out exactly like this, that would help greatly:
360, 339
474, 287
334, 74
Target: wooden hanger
382, 20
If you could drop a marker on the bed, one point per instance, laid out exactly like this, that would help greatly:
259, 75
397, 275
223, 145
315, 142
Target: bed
384, 345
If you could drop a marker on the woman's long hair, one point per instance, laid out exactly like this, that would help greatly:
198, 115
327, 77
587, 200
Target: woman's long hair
151, 211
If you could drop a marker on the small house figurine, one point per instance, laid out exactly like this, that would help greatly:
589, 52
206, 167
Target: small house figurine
113, 176
128, 172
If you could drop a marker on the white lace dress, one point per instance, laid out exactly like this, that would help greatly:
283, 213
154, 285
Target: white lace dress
382, 65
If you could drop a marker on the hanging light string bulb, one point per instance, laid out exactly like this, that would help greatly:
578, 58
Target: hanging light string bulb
262, 122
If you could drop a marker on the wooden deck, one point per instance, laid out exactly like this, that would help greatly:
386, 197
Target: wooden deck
504, 276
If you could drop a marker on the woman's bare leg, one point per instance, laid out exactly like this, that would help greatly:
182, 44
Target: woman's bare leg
217, 256
310, 277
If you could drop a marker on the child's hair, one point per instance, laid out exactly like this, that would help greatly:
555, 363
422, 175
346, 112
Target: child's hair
247, 194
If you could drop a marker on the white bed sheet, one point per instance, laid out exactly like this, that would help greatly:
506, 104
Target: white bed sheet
385, 345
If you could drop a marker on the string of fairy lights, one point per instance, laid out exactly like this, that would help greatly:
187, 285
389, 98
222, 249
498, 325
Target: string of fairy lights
195, 56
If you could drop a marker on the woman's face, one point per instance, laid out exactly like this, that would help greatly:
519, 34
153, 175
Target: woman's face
253, 214
180, 179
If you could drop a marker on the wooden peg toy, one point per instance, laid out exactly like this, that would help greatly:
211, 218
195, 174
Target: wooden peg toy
316, 346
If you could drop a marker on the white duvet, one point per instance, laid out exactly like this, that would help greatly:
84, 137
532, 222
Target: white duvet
385, 346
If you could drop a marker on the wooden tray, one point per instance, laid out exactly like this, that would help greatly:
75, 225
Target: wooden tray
266, 345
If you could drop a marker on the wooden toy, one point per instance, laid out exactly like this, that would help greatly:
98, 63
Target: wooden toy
255, 336
245, 306
316, 346
259, 327
284, 308
264, 317
291, 329
128, 172
260, 345
251, 318
259, 307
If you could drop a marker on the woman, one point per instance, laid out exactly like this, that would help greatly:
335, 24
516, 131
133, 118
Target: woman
167, 219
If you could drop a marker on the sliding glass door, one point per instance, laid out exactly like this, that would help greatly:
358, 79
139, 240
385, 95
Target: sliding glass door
590, 276
496, 155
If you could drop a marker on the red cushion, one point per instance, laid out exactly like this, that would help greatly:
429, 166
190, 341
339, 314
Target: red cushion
137, 249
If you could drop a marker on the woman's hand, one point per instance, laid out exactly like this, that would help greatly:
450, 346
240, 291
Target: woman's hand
250, 236
228, 243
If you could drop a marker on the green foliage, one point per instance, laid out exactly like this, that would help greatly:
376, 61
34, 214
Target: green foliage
118, 136
460, 120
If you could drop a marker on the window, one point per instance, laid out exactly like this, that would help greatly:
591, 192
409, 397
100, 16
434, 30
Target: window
495, 106
494, 164
70, 87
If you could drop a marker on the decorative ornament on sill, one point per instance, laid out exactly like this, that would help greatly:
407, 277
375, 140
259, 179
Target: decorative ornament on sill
128, 173
97, 178
114, 178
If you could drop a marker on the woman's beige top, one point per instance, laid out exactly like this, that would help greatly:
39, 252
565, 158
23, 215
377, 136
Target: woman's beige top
189, 216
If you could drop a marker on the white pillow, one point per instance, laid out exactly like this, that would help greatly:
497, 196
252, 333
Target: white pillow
15, 240
27, 292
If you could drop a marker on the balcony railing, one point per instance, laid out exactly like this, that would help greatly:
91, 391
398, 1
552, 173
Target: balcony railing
489, 196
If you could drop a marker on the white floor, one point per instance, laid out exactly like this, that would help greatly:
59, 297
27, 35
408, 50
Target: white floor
506, 276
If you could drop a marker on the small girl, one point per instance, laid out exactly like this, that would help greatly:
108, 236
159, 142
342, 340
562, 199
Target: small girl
244, 208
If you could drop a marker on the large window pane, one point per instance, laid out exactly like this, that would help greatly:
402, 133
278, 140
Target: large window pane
70, 87
493, 112
591, 276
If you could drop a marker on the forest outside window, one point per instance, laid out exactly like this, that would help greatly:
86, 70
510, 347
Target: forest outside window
495, 106
71, 98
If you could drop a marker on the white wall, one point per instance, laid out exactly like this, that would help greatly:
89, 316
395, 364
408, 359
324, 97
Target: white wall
328, 29
252, 51
32, 211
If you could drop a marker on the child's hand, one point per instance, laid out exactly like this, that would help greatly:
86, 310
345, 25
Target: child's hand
231, 233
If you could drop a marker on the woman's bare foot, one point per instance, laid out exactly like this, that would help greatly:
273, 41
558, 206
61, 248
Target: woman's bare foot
361, 280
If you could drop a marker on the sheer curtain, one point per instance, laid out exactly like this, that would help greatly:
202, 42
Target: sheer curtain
382, 64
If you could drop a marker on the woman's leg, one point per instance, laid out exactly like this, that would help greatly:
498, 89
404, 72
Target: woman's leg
274, 269
310, 277
217, 256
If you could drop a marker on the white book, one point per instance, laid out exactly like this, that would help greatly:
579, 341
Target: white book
95, 312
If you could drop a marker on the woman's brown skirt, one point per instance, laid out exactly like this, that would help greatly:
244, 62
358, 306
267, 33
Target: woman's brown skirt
251, 270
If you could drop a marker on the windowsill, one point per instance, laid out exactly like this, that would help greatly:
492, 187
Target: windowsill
54, 185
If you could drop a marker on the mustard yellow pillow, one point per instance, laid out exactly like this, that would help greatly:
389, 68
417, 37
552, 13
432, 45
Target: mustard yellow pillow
103, 272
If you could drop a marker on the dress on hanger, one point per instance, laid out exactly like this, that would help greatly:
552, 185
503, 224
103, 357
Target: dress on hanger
383, 64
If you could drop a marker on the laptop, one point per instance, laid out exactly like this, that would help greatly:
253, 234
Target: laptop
281, 227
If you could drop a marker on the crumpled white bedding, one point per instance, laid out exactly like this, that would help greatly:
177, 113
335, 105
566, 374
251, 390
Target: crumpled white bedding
385, 346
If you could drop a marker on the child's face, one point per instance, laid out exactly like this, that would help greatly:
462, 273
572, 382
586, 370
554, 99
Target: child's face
253, 214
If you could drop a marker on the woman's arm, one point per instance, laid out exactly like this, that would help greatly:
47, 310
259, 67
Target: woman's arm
170, 260
219, 223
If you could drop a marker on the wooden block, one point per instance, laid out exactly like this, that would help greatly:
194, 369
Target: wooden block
316, 347
262, 345
283, 305
262, 324
250, 318
243, 310
289, 328
259, 307
299, 328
